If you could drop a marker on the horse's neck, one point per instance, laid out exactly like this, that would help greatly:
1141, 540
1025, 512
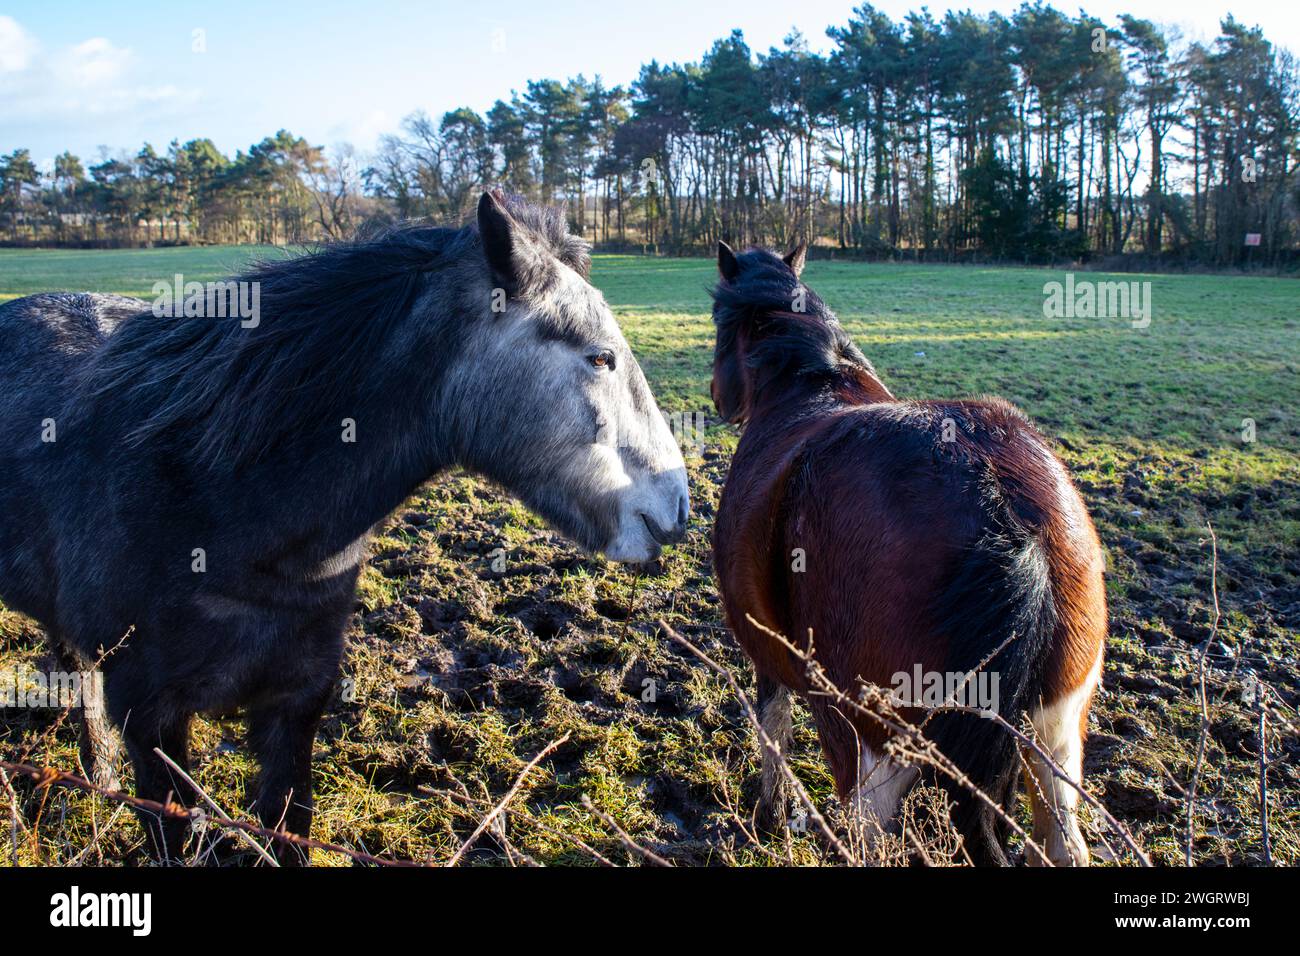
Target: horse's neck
861, 386
353, 473
750, 524
792, 404
780, 426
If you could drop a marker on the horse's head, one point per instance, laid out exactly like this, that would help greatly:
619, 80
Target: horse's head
551, 402
752, 285
774, 331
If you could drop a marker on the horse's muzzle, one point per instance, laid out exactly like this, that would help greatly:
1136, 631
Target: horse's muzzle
676, 532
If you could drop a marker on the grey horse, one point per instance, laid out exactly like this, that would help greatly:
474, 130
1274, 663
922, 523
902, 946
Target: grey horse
205, 486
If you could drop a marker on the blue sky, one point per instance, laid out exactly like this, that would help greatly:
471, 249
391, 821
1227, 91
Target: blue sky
78, 74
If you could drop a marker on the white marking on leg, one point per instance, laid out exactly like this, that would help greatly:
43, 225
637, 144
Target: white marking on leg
882, 785
776, 723
1055, 802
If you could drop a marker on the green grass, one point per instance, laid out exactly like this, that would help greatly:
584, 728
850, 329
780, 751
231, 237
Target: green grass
1218, 348
463, 674
124, 271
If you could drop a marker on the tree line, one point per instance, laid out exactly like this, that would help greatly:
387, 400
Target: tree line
1035, 136
281, 190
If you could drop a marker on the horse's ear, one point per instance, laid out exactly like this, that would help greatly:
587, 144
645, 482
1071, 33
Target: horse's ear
513, 261
796, 258
728, 264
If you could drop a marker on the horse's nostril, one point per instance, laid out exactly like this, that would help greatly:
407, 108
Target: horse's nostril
683, 513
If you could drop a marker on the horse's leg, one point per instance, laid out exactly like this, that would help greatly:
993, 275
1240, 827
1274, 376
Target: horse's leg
282, 728
100, 746
775, 717
882, 783
871, 784
281, 736
144, 729
1060, 728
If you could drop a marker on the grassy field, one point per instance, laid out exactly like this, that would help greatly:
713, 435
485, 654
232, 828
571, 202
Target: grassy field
463, 674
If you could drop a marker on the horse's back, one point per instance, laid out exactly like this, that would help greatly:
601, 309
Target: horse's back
919, 517
60, 324
43, 340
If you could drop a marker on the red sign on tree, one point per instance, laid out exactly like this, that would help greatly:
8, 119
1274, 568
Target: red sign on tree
1252, 238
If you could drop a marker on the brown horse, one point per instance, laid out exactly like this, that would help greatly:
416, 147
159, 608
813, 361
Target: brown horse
908, 537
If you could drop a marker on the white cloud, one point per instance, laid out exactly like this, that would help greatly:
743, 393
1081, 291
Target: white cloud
17, 46
71, 84
93, 63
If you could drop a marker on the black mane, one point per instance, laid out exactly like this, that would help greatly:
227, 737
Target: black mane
762, 297
326, 317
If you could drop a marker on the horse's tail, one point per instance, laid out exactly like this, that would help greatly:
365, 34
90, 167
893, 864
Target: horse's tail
1001, 598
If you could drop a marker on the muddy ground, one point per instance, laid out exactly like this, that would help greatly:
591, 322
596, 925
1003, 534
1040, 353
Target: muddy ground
480, 637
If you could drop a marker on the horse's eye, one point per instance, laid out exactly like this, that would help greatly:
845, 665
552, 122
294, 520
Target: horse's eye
602, 360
